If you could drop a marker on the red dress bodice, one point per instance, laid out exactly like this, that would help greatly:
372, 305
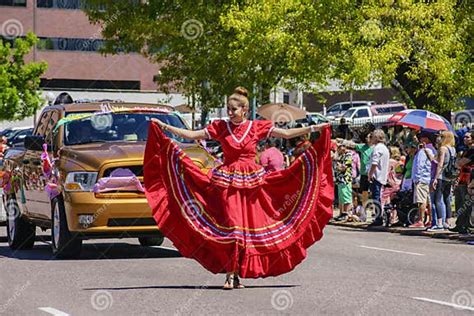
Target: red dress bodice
239, 143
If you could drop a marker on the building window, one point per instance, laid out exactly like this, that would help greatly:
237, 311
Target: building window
65, 4
286, 98
90, 84
59, 4
14, 3
9, 40
70, 44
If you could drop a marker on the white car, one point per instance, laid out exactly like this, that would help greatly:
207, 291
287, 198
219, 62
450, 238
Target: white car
338, 109
376, 114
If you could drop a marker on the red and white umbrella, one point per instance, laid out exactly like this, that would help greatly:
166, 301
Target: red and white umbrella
421, 119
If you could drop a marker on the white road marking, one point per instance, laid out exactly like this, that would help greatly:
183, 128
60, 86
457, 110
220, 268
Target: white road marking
53, 311
167, 248
391, 250
469, 308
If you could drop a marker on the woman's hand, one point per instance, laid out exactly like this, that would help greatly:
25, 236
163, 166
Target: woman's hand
161, 124
319, 127
434, 184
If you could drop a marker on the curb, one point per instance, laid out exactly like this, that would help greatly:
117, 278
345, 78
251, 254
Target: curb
406, 231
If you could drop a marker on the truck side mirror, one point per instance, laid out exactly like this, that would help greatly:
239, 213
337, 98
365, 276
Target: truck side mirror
34, 142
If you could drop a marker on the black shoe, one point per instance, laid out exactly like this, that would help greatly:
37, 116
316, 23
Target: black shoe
341, 217
376, 223
397, 224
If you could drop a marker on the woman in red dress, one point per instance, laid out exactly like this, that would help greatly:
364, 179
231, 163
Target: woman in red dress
239, 219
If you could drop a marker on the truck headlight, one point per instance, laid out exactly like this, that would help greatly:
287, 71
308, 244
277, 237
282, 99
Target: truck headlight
80, 181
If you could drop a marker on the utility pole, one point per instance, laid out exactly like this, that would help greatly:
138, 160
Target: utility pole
34, 50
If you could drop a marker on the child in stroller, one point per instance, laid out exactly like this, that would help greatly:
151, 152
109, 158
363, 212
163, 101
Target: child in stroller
406, 210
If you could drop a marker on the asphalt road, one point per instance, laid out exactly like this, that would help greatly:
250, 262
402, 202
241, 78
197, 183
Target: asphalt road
349, 272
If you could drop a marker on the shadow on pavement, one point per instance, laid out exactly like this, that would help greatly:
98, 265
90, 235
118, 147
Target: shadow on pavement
185, 287
38, 238
358, 230
96, 251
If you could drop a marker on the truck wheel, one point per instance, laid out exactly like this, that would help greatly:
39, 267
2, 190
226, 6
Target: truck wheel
151, 241
65, 245
20, 233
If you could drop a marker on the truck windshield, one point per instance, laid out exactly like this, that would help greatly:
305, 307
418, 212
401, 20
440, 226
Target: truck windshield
109, 127
349, 113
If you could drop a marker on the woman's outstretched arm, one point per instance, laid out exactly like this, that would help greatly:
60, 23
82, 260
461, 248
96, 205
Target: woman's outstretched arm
295, 132
181, 132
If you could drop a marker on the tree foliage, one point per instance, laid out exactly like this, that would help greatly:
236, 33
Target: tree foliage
209, 47
19, 81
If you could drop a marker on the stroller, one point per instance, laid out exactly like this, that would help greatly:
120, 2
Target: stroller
406, 210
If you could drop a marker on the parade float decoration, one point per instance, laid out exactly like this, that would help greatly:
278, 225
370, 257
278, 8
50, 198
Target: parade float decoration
107, 109
120, 179
50, 174
12, 182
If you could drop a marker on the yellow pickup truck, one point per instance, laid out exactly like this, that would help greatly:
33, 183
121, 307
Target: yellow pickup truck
81, 175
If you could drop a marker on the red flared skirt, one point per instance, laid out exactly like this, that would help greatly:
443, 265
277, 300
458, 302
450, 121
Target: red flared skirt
257, 232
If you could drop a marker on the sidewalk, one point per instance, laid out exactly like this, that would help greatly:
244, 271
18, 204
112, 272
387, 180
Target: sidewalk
404, 230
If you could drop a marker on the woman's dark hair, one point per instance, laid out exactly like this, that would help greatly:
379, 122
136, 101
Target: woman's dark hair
63, 98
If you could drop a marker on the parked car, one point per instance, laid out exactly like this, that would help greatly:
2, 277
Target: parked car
17, 138
314, 117
11, 131
69, 189
376, 114
338, 109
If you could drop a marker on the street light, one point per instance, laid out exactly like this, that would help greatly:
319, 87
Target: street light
254, 92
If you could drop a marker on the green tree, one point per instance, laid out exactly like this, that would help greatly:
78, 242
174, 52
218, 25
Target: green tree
19, 81
423, 48
184, 37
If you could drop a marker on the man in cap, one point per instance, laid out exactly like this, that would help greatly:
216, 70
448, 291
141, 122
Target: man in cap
421, 175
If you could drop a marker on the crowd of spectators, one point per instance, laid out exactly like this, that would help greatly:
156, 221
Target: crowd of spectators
405, 177
394, 176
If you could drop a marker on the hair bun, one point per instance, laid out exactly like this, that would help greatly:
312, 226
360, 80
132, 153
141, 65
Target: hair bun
241, 91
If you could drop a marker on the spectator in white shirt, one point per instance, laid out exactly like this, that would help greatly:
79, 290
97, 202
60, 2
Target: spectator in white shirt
378, 172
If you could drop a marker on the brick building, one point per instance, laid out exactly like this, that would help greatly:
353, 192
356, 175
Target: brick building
69, 43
